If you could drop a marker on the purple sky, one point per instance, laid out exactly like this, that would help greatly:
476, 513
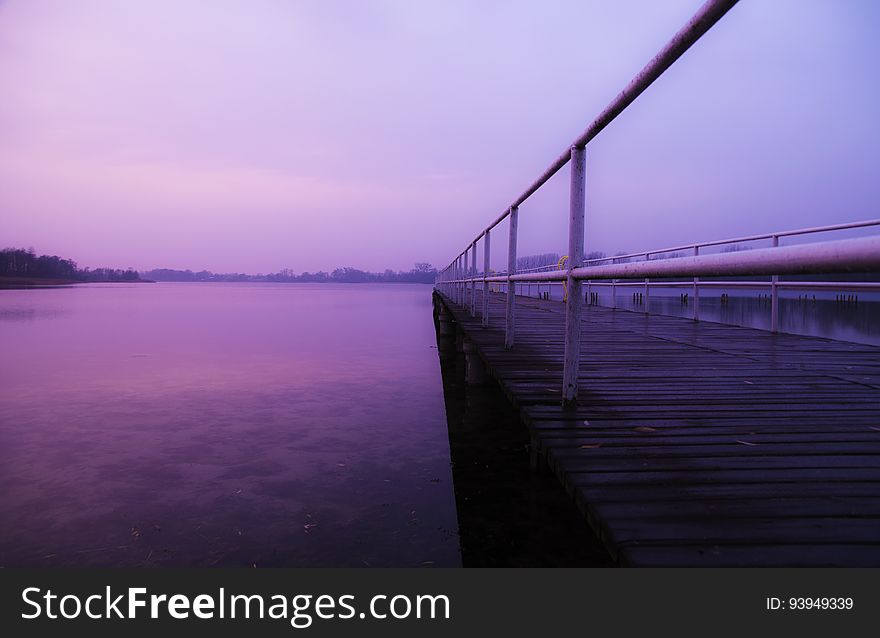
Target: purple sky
260, 135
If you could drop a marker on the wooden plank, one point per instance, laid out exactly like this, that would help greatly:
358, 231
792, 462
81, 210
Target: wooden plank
698, 443
769, 555
655, 492
772, 507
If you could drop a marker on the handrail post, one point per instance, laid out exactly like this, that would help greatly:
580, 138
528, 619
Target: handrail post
460, 277
473, 277
486, 249
647, 298
774, 295
613, 289
461, 283
456, 276
511, 286
696, 289
452, 280
464, 285
577, 202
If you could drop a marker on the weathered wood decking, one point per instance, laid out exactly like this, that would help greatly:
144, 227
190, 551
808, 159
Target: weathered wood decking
697, 443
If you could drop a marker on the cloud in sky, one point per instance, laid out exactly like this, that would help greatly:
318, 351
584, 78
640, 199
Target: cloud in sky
255, 136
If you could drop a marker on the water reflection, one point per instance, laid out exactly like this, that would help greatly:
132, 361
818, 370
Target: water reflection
30, 313
224, 424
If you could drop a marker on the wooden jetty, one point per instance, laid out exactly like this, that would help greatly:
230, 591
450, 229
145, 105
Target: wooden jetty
696, 443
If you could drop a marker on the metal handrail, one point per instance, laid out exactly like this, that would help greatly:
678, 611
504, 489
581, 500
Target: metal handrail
738, 240
460, 278
843, 255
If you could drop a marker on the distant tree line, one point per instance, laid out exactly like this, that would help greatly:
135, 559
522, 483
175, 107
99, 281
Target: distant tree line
18, 262
530, 262
422, 273
543, 260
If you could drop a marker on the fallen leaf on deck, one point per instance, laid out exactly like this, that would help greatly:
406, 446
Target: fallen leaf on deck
745, 443
645, 428
591, 446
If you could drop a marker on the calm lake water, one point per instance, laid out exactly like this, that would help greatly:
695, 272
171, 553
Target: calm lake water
223, 424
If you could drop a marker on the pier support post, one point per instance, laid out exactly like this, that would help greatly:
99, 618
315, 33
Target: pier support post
459, 339
774, 295
486, 250
577, 202
446, 325
511, 286
474, 368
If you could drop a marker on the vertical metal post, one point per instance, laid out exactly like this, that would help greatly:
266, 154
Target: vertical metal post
452, 280
774, 295
473, 276
511, 286
460, 283
449, 290
613, 290
464, 275
647, 258
461, 275
577, 202
696, 289
485, 282
461, 268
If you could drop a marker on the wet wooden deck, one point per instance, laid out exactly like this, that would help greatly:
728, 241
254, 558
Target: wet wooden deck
697, 443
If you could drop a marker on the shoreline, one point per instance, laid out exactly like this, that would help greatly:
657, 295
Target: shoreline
18, 283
